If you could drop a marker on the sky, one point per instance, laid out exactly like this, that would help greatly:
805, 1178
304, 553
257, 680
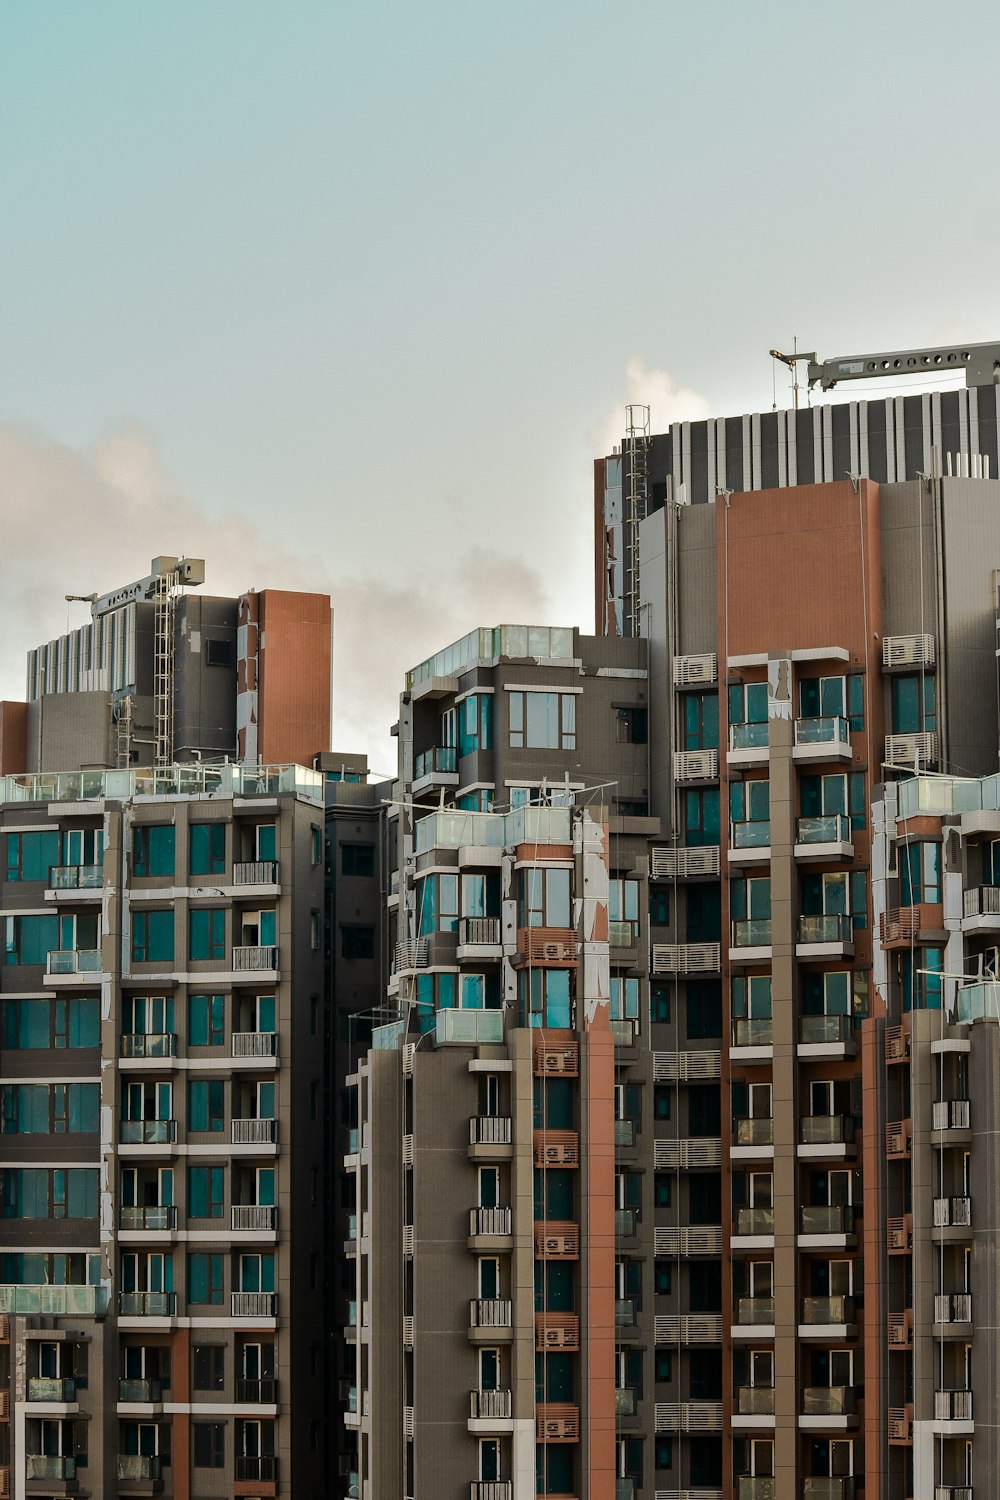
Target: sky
349, 297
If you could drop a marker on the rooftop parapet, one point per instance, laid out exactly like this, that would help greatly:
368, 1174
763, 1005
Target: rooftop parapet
164, 781
489, 643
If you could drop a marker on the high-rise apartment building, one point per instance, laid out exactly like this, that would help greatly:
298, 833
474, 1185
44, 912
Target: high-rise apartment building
164, 1243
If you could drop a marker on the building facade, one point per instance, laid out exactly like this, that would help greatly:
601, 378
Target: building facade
164, 1242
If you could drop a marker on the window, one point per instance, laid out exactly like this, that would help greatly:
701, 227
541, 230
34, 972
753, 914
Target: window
920, 977
207, 933
153, 849
256, 1273
40, 1024
48, 1193
208, 848
624, 999
704, 1104
479, 991
545, 997
316, 844
50, 1109
475, 723
480, 895
662, 1190
662, 1280
826, 994
750, 801
747, 703
631, 725
437, 904
542, 721
206, 1020
833, 698
701, 815
29, 940
30, 856
210, 1445
663, 1366
913, 704
664, 1453
700, 725
147, 1015
479, 801
218, 653
552, 1104
357, 942
544, 898
265, 842
751, 997
919, 874
357, 859
206, 1192
659, 907
205, 1279
209, 1367
153, 937
205, 1104
623, 905
750, 899
704, 1008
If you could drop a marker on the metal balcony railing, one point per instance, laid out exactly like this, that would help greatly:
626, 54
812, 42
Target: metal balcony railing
490, 1130
688, 1240
691, 1151
686, 958
254, 1304
249, 1217
682, 1067
953, 1307
255, 1044
981, 901
256, 1392
684, 862
952, 1212
479, 932
489, 1221
953, 1406
255, 872
688, 1328
491, 1312
688, 1416
920, 750
263, 1467
254, 1132
484, 1405
253, 958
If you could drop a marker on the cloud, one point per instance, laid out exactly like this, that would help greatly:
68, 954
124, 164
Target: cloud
646, 385
83, 521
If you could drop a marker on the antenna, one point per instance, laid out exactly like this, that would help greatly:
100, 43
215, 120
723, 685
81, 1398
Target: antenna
792, 361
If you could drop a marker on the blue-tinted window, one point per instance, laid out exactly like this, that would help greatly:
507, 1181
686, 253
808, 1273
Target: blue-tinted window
152, 937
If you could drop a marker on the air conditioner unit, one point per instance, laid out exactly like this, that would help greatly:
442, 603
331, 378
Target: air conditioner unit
553, 1062
553, 950
557, 1336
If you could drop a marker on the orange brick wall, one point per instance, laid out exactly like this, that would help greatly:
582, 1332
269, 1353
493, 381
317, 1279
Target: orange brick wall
294, 676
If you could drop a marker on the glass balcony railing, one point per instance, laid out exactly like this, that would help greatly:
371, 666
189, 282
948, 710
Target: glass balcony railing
148, 1216
753, 1132
75, 877
74, 961
442, 758
828, 928
49, 1466
747, 736
755, 1312
755, 1400
149, 1044
625, 1220
148, 1132
753, 934
826, 1029
979, 1001
42, 1389
753, 1031
755, 1221
144, 1391
755, 835
139, 1466
624, 1312
820, 1311
827, 1218
165, 781
54, 1300
826, 1130
624, 1401
823, 731
828, 1401
147, 1304
833, 828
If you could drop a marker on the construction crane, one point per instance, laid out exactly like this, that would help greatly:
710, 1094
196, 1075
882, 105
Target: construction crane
981, 363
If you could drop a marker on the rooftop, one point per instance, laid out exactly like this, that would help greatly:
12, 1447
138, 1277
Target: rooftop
164, 781
489, 643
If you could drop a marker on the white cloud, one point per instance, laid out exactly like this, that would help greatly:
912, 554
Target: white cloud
78, 522
646, 385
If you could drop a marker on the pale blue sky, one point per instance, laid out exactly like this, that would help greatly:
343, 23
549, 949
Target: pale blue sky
371, 275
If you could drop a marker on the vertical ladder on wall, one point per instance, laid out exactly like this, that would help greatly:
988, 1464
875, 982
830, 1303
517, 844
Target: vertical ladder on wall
636, 478
163, 668
123, 732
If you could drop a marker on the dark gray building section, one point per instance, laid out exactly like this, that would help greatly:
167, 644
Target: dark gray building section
204, 678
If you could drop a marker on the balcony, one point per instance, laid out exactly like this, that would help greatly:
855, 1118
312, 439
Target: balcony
148, 1044
76, 877
755, 1312
49, 1466
823, 739
950, 1309
830, 1222
557, 1330
52, 1301
478, 933
755, 1487
686, 958
750, 843
468, 1028
753, 1038
255, 1044
755, 1221
435, 767
624, 1133
826, 1402
979, 1001
830, 935
557, 1241
254, 959
752, 1138
139, 1467
688, 1416
951, 1115
410, 954
696, 765
696, 670
154, 1216
42, 1389
254, 1132
749, 745
76, 963
829, 1487
828, 1312
897, 1043
625, 1310
262, 1469
256, 1392
919, 752
625, 1401
147, 1304
952, 1219
755, 1401
826, 1136
249, 1218
953, 1492
556, 1148
953, 1406
626, 1220
489, 1406
831, 1036
490, 1489
490, 1223
255, 872
253, 1304
147, 1132
140, 1392
557, 1423
823, 838
751, 941
491, 1312
490, 1137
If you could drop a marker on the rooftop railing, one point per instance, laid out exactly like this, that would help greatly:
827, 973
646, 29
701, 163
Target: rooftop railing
163, 781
